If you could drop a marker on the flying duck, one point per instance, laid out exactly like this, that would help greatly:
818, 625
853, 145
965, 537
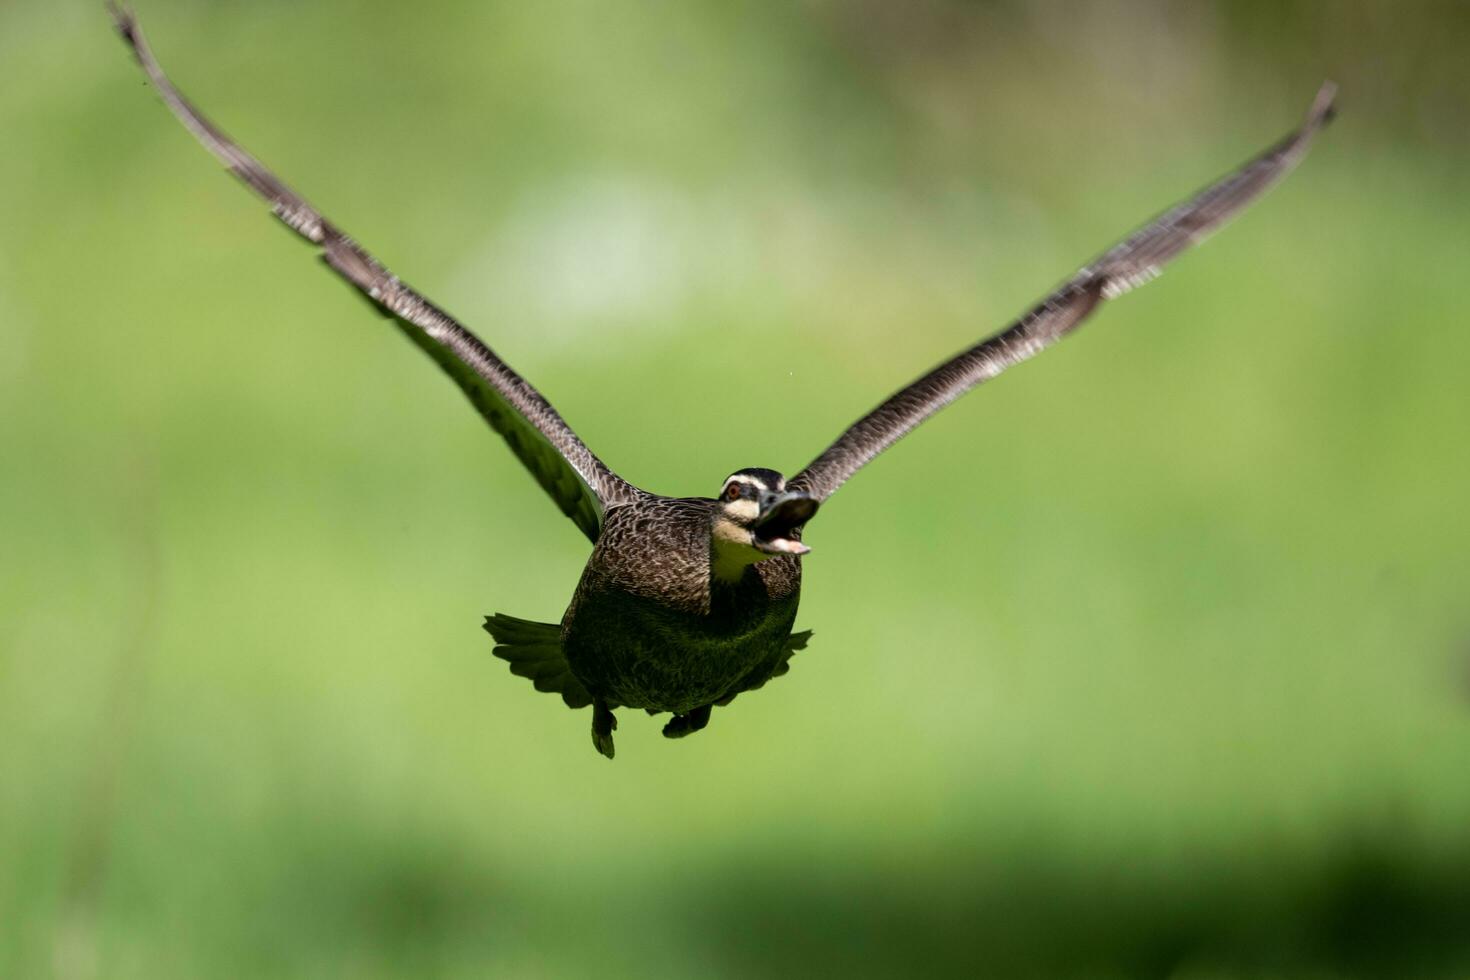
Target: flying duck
686, 603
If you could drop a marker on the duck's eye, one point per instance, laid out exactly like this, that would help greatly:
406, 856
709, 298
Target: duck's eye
733, 491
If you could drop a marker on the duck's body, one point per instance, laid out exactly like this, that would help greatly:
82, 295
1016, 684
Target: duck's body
687, 602
653, 626
674, 611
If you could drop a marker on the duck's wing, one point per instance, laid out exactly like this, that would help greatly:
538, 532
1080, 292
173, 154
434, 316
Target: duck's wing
580, 483
1132, 262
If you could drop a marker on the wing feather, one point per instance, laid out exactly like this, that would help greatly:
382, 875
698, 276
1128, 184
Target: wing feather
1130, 263
580, 483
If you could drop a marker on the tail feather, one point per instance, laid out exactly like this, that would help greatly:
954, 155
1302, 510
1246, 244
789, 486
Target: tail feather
533, 651
758, 677
794, 642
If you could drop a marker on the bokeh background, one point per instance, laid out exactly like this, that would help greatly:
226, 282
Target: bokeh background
1151, 658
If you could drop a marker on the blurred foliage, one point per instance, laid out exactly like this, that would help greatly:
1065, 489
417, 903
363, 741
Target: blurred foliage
1149, 659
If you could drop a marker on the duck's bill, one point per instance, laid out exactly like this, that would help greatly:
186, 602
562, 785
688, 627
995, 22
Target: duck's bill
778, 528
780, 546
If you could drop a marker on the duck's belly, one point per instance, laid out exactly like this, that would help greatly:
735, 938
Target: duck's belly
634, 652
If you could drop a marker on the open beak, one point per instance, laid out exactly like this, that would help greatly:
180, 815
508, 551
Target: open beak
777, 529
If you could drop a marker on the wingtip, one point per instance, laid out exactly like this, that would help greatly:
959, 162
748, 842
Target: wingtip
125, 22
1324, 106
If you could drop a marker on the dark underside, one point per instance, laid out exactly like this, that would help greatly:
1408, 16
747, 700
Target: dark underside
640, 653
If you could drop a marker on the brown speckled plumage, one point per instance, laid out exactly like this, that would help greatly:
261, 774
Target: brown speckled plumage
651, 624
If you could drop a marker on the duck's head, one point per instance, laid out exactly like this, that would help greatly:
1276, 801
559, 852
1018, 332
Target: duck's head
757, 518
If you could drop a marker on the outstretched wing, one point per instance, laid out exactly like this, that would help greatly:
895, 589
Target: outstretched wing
1131, 262
580, 483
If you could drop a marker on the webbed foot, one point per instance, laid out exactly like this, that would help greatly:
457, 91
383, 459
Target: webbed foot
688, 724
603, 723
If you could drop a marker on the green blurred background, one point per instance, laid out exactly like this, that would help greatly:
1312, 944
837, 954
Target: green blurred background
1151, 658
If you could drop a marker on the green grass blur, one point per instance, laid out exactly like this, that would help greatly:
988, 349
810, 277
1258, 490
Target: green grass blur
1151, 658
